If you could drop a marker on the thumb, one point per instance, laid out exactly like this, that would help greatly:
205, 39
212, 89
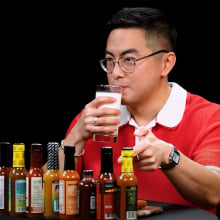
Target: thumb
142, 131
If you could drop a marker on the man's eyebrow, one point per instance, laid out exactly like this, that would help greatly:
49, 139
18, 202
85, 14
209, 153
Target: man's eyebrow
132, 50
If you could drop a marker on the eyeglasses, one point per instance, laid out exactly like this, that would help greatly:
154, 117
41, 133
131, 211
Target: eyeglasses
127, 64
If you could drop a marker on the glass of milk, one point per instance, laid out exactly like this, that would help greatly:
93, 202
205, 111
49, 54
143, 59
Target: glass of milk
113, 91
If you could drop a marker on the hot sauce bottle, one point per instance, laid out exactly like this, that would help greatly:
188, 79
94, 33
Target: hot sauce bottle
106, 187
127, 185
34, 183
69, 187
5, 165
87, 188
17, 182
51, 182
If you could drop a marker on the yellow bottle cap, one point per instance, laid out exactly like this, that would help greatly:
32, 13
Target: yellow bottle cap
18, 147
127, 152
18, 155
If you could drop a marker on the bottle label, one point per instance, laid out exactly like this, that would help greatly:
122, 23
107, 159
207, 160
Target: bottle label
27, 195
68, 197
109, 200
72, 198
92, 203
2, 192
61, 197
131, 202
20, 195
55, 197
9, 194
36, 195
98, 201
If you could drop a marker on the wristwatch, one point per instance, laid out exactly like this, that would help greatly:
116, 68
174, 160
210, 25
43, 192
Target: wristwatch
174, 159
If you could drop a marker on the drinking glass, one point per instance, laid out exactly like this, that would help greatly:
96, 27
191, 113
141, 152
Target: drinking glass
113, 91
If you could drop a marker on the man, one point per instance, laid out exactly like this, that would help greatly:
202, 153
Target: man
175, 134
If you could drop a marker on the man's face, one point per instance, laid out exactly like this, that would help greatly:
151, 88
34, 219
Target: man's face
142, 83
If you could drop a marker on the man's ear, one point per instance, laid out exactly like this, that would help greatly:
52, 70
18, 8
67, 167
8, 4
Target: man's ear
169, 61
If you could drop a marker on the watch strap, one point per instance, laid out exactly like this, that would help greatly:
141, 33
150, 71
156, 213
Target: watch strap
174, 158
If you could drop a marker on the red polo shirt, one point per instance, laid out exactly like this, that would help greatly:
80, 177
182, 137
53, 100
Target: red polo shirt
189, 122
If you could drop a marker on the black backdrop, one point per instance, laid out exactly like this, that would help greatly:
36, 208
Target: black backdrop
49, 52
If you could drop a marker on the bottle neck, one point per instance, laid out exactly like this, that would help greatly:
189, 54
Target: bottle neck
87, 174
106, 163
18, 159
69, 162
36, 159
5, 149
127, 165
52, 161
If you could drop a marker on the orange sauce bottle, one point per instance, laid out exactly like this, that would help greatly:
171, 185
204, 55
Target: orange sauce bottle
34, 183
106, 188
127, 185
5, 149
69, 187
51, 182
17, 182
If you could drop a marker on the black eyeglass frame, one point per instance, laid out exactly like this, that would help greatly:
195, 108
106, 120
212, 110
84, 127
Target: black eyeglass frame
134, 61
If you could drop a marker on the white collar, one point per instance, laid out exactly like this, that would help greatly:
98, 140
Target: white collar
171, 113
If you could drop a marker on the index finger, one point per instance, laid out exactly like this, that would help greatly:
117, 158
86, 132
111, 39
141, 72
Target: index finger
141, 146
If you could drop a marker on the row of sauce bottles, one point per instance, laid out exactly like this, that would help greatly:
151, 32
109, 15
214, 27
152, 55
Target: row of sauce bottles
61, 194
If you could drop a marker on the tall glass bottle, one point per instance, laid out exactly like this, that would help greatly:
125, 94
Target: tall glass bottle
69, 187
87, 188
34, 183
127, 185
17, 182
51, 182
5, 165
106, 187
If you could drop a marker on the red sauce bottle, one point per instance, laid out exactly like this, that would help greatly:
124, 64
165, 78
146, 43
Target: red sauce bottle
106, 188
34, 183
5, 165
87, 188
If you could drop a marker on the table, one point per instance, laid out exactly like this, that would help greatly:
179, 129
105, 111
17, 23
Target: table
171, 212
179, 212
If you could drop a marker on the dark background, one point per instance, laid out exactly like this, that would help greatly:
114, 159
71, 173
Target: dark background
49, 52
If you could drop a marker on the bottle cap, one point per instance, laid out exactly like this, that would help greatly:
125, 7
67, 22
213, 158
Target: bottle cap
88, 172
127, 151
18, 147
52, 150
5, 151
18, 155
106, 150
36, 154
36, 147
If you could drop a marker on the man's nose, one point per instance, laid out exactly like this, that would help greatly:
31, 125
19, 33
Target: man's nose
117, 71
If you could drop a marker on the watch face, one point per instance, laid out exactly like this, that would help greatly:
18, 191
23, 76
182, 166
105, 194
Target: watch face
176, 158
173, 158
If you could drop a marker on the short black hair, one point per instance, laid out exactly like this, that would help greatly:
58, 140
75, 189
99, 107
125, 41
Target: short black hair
152, 20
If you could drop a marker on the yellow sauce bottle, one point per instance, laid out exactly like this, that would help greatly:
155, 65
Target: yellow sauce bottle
17, 182
127, 185
51, 182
